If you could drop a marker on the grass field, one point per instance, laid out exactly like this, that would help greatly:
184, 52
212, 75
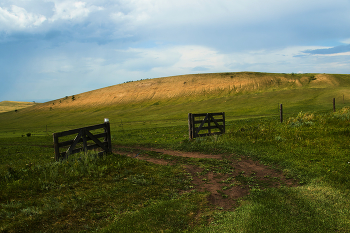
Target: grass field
118, 193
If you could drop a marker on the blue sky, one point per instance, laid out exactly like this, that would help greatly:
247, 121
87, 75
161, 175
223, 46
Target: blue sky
55, 48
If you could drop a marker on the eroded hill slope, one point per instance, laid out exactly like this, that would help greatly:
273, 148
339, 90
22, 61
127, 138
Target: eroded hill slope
191, 86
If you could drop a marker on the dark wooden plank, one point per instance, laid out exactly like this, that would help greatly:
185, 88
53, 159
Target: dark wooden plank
80, 149
281, 113
204, 114
223, 120
201, 125
98, 142
69, 132
192, 127
216, 123
93, 127
77, 138
217, 120
216, 114
67, 143
199, 114
75, 131
84, 140
56, 147
189, 125
208, 121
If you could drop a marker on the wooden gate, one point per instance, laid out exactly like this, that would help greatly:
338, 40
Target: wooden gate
208, 123
83, 135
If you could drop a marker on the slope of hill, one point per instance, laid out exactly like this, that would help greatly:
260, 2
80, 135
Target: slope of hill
167, 101
192, 86
7, 106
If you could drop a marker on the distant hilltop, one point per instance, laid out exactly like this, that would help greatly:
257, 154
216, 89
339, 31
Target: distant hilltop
8, 106
184, 86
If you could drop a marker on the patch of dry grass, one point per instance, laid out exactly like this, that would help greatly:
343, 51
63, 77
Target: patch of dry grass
7, 106
192, 85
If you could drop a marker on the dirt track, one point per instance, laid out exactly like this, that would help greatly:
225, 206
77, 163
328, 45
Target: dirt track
225, 188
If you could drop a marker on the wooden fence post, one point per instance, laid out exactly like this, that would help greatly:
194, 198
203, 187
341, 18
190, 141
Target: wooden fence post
223, 124
333, 104
108, 138
190, 126
281, 113
56, 147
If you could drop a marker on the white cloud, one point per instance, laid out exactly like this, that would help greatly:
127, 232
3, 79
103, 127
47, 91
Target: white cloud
17, 18
346, 41
333, 54
68, 10
198, 56
117, 41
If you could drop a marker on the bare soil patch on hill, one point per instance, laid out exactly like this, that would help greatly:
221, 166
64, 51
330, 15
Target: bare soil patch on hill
225, 188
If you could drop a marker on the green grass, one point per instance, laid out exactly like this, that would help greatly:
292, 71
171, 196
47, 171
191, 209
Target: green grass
311, 208
121, 194
115, 192
88, 192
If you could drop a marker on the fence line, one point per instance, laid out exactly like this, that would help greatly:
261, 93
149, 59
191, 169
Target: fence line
47, 129
83, 135
208, 118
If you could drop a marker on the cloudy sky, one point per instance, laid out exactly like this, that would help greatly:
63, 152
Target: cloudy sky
55, 48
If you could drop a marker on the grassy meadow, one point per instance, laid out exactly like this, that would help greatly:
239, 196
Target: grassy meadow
117, 193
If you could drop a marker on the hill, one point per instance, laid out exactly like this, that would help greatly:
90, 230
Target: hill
7, 106
194, 85
167, 101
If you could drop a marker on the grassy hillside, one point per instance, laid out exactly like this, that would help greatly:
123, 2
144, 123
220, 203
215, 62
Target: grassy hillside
167, 101
7, 106
119, 193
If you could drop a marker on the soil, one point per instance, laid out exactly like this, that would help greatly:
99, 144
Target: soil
225, 190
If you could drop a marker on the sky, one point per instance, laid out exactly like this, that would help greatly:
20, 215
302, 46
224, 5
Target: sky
50, 49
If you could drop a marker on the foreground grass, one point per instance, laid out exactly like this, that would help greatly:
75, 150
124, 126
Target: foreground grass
315, 207
311, 147
88, 193
120, 194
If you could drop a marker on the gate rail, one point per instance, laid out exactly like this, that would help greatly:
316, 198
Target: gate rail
208, 119
83, 135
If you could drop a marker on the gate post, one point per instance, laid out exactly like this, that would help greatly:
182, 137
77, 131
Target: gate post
281, 113
108, 137
56, 147
223, 118
190, 126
